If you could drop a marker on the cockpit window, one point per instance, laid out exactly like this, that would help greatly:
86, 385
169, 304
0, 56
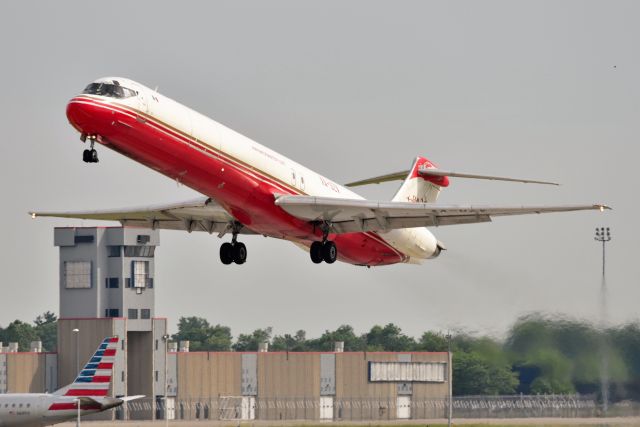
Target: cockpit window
108, 89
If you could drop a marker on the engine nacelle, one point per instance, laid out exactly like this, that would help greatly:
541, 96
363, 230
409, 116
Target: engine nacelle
439, 248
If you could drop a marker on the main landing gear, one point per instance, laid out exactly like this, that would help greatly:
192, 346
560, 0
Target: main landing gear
234, 251
91, 155
324, 251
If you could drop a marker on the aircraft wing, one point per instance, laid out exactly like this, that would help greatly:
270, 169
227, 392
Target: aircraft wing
349, 215
202, 214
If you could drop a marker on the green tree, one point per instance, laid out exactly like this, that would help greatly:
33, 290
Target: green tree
202, 336
389, 338
287, 342
472, 375
345, 334
47, 330
559, 355
250, 342
432, 341
20, 332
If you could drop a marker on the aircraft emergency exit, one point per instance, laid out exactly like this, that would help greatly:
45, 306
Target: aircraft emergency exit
88, 391
250, 189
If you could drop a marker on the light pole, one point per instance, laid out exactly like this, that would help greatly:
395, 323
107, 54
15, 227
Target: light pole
165, 338
77, 400
76, 331
450, 374
603, 235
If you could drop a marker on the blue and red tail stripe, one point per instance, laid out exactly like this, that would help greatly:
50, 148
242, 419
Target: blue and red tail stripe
95, 378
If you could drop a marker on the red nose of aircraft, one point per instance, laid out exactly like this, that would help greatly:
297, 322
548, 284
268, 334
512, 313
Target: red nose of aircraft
79, 115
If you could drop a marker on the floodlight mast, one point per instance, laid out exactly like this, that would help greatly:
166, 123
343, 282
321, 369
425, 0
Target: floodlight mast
603, 235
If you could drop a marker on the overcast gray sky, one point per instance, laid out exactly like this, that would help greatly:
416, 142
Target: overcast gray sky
543, 89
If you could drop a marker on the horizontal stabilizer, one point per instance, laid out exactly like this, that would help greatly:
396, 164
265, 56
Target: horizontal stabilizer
128, 398
439, 172
399, 176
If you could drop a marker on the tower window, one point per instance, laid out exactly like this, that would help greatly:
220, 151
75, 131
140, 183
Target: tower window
77, 274
111, 312
140, 273
112, 282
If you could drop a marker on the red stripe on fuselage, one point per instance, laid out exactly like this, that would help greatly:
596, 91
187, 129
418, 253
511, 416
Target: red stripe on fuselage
246, 193
72, 405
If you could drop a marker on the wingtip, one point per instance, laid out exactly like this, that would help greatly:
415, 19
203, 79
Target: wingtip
33, 215
602, 208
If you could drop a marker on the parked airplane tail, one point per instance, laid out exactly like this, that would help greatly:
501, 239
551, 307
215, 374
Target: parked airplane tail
419, 187
94, 380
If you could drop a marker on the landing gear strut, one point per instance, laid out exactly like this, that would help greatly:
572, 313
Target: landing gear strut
91, 155
324, 251
234, 251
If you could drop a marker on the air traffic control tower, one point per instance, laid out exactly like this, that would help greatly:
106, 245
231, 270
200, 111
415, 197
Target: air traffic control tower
107, 288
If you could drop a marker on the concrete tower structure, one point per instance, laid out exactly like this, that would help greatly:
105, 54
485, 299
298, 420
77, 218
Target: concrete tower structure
107, 288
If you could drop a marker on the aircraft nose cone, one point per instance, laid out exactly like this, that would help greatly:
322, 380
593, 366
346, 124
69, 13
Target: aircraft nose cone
78, 115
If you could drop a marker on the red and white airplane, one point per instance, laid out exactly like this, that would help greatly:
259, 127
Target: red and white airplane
251, 189
86, 395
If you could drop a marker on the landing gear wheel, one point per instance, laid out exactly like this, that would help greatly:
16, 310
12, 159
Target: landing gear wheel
226, 253
90, 156
315, 251
329, 252
239, 253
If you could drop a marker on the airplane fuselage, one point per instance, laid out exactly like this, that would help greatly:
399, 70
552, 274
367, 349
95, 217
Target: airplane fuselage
239, 173
40, 409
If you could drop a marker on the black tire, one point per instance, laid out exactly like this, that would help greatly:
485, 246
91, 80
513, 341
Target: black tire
239, 253
329, 252
226, 253
94, 156
315, 251
86, 155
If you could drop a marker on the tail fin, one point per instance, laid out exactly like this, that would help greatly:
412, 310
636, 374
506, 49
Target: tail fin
421, 188
95, 378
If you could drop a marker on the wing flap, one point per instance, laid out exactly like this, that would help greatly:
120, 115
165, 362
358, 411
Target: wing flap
202, 214
349, 215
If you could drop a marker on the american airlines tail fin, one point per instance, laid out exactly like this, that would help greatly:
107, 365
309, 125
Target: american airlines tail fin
418, 187
94, 380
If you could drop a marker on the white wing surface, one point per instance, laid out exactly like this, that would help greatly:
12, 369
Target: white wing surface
347, 215
202, 214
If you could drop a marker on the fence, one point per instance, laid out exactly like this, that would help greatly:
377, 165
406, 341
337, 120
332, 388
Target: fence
366, 409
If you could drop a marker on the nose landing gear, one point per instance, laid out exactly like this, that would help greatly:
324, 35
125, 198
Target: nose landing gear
91, 155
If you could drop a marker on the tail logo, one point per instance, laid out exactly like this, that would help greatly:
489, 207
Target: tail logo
95, 378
